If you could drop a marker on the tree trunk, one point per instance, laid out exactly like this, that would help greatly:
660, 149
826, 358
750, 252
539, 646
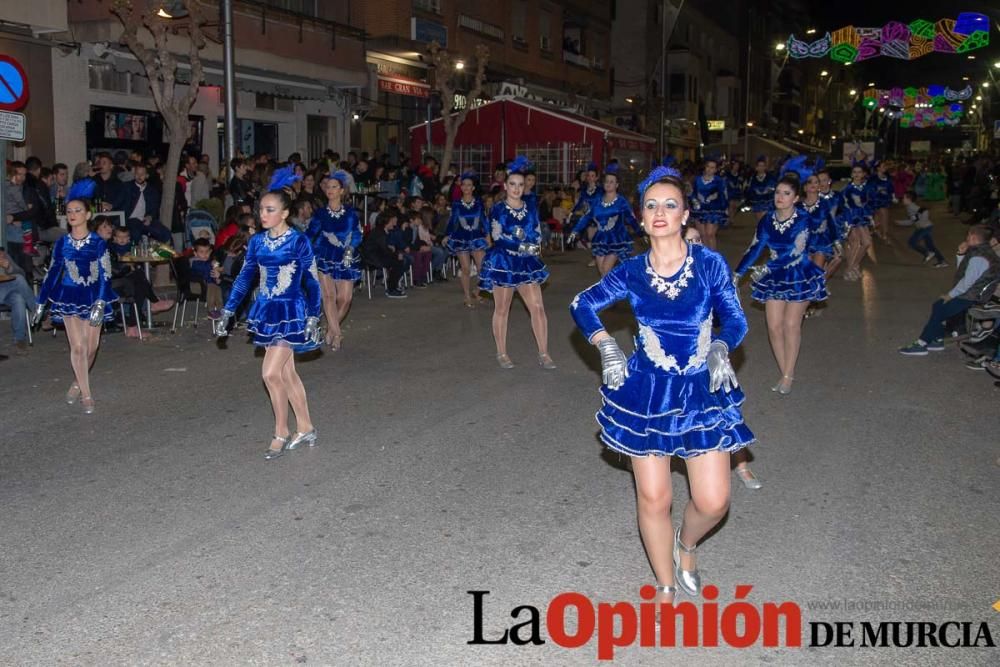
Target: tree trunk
178, 136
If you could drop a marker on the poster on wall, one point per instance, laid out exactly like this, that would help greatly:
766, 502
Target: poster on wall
127, 126
858, 150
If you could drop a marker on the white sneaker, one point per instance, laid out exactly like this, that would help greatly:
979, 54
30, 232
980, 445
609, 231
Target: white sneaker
929, 257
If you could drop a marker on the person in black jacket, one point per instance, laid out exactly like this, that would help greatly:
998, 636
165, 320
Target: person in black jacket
109, 188
240, 187
375, 250
141, 203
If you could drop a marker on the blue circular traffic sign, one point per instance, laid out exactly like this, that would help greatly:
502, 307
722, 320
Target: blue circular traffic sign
13, 84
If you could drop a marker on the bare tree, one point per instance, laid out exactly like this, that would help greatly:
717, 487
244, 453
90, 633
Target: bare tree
445, 83
161, 69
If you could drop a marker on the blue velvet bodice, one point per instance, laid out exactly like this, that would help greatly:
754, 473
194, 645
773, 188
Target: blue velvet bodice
608, 215
711, 196
587, 199
328, 230
80, 272
788, 241
855, 206
760, 190
285, 269
674, 313
509, 228
467, 220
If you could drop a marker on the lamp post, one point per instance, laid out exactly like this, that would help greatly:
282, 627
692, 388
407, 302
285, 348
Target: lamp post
229, 80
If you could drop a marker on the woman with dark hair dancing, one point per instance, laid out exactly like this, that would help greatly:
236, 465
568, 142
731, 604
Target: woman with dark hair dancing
78, 290
710, 202
789, 281
513, 263
677, 395
613, 216
467, 231
284, 319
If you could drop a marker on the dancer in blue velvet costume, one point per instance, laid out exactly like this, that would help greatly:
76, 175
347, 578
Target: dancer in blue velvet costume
284, 318
677, 395
854, 212
710, 202
590, 193
513, 263
789, 281
335, 232
78, 290
760, 189
614, 217
467, 231
881, 199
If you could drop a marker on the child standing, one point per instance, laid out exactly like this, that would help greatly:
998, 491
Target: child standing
208, 271
921, 240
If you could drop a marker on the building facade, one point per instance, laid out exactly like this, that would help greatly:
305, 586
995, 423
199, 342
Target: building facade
299, 77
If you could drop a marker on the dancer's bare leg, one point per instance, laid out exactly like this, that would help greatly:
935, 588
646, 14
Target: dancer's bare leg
465, 278
79, 352
653, 494
532, 296
708, 475
502, 297
774, 314
477, 257
709, 235
792, 325
272, 372
296, 392
329, 292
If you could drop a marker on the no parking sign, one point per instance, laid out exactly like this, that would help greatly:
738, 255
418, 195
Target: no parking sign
13, 84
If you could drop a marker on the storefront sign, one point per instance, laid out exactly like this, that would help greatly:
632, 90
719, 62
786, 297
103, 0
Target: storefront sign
422, 30
920, 146
12, 126
716, 125
483, 28
403, 86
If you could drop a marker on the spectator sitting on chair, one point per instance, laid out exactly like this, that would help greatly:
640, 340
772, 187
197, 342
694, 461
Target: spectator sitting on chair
376, 251
109, 188
128, 281
426, 235
206, 270
978, 267
141, 202
15, 293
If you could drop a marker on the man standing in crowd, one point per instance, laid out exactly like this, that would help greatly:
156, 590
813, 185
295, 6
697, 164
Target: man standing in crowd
142, 207
109, 188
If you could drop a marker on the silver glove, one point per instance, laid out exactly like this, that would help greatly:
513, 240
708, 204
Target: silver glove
529, 249
348, 256
313, 333
220, 327
571, 239
519, 233
96, 318
758, 272
720, 371
36, 317
612, 363
838, 248
736, 280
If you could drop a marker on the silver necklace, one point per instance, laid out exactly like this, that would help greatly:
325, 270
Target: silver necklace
783, 225
274, 243
670, 288
336, 214
468, 206
519, 213
608, 204
78, 243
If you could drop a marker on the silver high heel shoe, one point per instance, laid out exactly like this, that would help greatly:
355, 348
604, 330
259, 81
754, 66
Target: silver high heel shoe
301, 439
688, 581
504, 361
88, 405
73, 393
545, 361
272, 454
749, 479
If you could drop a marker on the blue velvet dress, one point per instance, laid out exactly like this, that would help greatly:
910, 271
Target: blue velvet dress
710, 201
504, 265
734, 183
79, 276
331, 234
791, 275
855, 207
586, 200
467, 227
822, 226
288, 289
760, 192
664, 407
881, 192
611, 237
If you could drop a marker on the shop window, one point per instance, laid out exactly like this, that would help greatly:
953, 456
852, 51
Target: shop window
103, 76
273, 103
545, 31
556, 164
474, 157
284, 104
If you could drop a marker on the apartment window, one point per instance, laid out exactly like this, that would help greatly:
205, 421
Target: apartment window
103, 76
474, 157
678, 87
432, 6
545, 31
517, 31
273, 103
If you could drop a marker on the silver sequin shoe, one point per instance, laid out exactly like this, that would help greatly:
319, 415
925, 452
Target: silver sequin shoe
504, 361
308, 438
688, 581
271, 453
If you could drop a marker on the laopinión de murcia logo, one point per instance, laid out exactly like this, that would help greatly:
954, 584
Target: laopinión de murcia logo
737, 624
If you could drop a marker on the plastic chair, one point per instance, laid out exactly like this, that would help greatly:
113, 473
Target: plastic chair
4, 308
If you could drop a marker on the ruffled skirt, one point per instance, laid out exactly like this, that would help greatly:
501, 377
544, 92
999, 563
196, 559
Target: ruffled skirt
762, 205
472, 244
671, 415
502, 269
720, 218
801, 282
330, 262
76, 301
279, 321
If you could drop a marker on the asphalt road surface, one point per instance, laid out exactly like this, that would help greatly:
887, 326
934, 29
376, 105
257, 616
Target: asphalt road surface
154, 533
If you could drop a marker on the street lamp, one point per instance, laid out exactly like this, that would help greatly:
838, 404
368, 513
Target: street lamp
780, 46
749, 123
811, 31
824, 73
871, 84
459, 64
853, 92
174, 9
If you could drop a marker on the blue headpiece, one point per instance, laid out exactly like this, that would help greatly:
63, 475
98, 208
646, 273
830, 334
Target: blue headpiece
654, 176
471, 175
520, 165
283, 178
612, 168
798, 165
669, 161
341, 177
820, 163
760, 158
82, 189
592, 166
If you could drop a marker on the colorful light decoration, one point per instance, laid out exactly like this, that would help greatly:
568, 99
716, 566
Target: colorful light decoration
851, 44
931, 106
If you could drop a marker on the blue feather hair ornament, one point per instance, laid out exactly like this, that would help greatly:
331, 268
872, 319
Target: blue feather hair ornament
469, 175
283, 178
656, 175
82, 189
520, 165
669, 161
592, 166
798, 165
612, 168
341, 177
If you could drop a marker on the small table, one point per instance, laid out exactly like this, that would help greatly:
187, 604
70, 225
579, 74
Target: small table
147, 261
